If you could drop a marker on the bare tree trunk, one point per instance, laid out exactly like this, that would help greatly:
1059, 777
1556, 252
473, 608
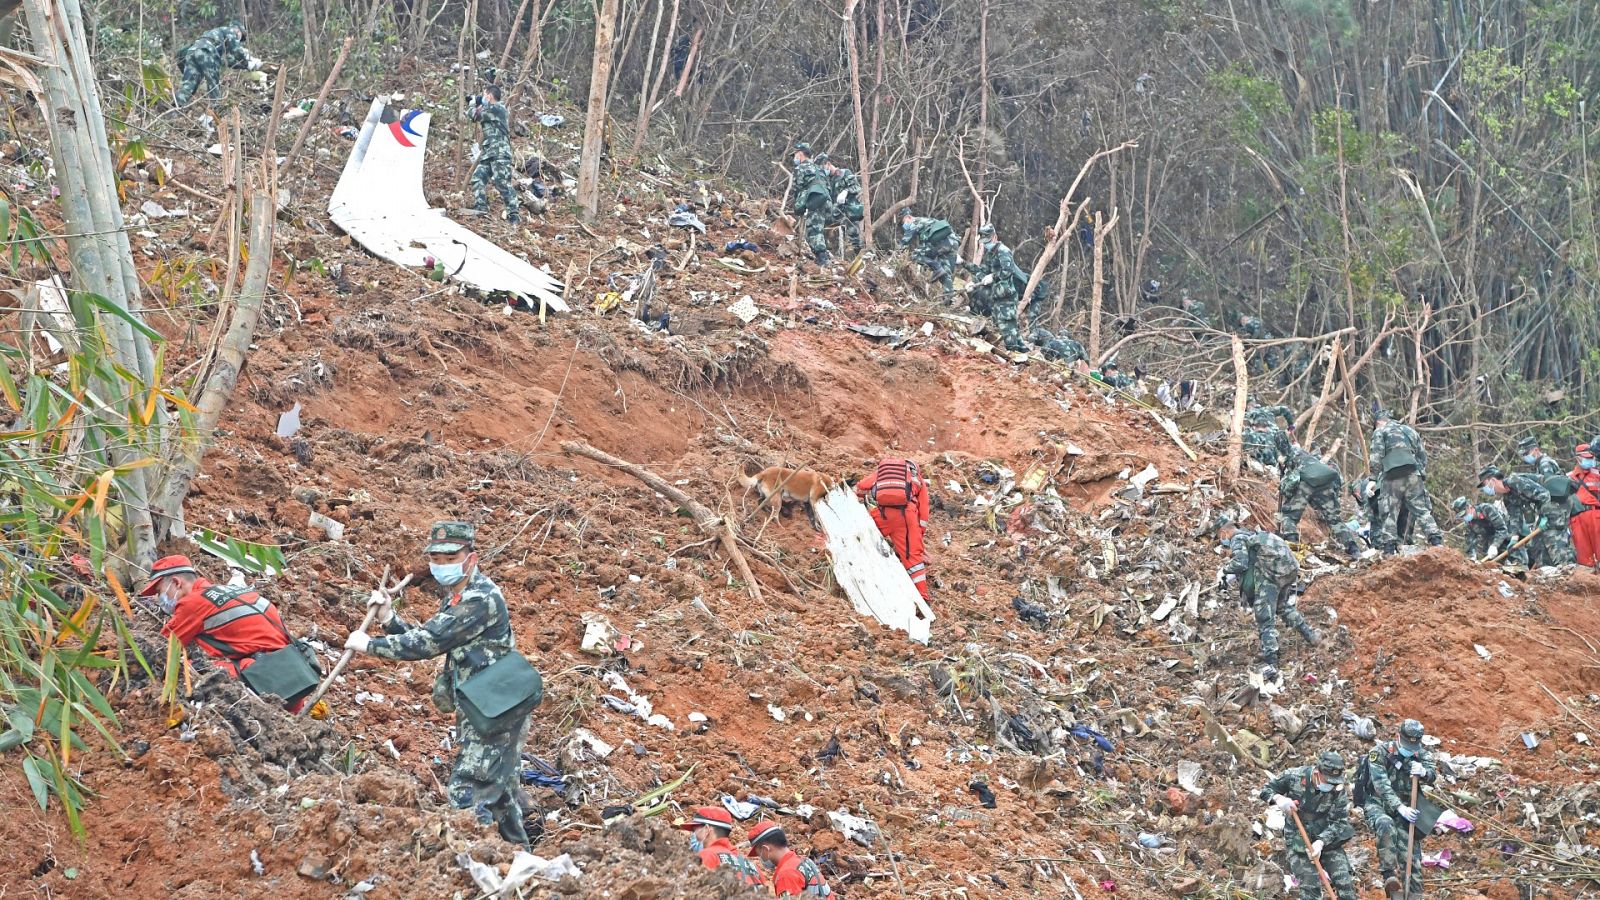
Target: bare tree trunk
322, 98
1101, 229
983, 122
862, 162
1241, 390
688, 64
516, 26
1334, 353
644, 81
1063, 227
594, 125
647, 105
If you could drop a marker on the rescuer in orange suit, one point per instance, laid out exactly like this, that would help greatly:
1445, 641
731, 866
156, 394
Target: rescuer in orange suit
231, 624
897, 495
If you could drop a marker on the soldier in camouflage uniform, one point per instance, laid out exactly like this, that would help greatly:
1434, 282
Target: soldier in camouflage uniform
1110, 373
845, 189
1397, 457
1383, 791
813, 202
472, 631
1264, 441
1554, 546
205, 59
936, 246
1253, 328
1487, 530
1525, 499
1315, 794
1267, 572
494, 166
1057, 348
1311, 481
1371, 508
1197, 312
994, 288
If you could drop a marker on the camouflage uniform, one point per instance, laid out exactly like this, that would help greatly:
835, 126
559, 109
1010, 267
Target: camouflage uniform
472, 630
1056, 348
1295, 493
1386, 786
205, 59
1109, 375
1267, 570
845, 189
936, 247
494, 166
1486, 527
1264, 441
1326, 817
1254, 329
998, 298
814, 203
1396, 441
1372, 506
1525, 499
1554, 546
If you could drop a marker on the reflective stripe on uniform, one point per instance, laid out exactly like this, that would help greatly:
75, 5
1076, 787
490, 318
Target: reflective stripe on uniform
235, 613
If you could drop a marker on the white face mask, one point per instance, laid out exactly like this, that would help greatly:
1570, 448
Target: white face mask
169, 599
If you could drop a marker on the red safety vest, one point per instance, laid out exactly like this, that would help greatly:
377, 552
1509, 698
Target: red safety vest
232, 624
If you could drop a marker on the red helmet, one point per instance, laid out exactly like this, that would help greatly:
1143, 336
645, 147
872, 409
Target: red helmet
167, 565
715, 816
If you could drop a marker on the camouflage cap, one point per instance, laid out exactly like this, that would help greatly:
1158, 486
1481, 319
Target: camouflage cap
985, 230
1459, 504
1528, 443
1330, 763
820, 158
1223, 520
1041, 335
1411, 732
802, 147
1488, 472
906, 211
450, 537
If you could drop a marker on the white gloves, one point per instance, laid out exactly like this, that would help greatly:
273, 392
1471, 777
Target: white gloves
1284, 803
381, 606
357, 641
1494, 550
971, 286
842, 195
253, 64
1417, 770
988, 279
1407, 813
1316, 850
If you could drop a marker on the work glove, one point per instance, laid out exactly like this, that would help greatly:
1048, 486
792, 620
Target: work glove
1494, 550
970, 287
381, 606
1407, 813
1316, 850
253, 64
1417, 771
1543, 521
988, 279
1286, 804
357, 641
842, 195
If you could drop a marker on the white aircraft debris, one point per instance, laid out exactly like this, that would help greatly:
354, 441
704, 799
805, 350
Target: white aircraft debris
379, 203
865, 566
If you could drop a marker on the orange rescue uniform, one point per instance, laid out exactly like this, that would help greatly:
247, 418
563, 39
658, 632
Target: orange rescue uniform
903, 526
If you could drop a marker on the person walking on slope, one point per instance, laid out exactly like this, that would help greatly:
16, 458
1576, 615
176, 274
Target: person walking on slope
1397, 458
1311, 481
897, 496
936, 246
1586, 507
1267, 571
709, 829
994, 287
792, 874
205, 59
813, 202
494, 166
472, 631
1383, 790
845, 189
1314, 796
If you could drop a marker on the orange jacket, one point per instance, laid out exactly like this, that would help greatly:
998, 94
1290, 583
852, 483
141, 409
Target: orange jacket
796, 876
1588, 481
720, 853
230, 632
919, 488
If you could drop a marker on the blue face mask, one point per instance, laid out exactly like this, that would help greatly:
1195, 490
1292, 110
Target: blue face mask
1466, 516
1586, 463
695, 845
1407, 753
1325, 787
447, 574
1488, 491
1529, 458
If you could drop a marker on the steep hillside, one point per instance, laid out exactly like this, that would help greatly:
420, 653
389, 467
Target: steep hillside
1082, 671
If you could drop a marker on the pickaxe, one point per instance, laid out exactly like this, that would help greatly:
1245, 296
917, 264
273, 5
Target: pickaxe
390, 591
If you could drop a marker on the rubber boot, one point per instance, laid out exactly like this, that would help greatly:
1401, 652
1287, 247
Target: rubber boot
823, 259
1352, 550
1389, 549
1312, 636
1435, 540
1392, 887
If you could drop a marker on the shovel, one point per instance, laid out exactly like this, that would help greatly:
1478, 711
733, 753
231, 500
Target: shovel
1517, 546
1327, 885
389, 590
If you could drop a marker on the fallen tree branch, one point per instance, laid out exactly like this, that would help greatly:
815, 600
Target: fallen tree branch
704, 519
1241, 390
1063, 227
316, 105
